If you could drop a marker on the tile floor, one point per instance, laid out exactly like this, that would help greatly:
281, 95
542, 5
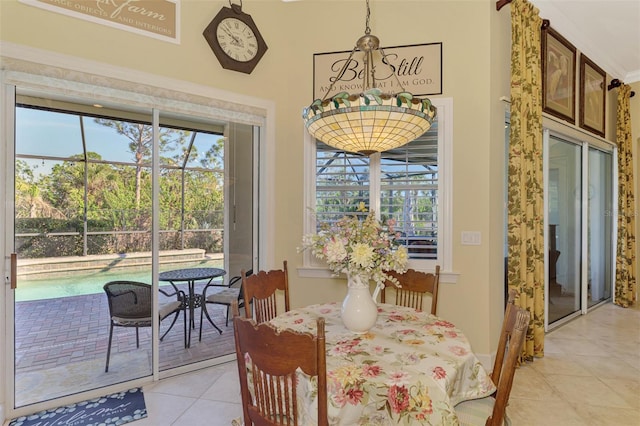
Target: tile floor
590, 375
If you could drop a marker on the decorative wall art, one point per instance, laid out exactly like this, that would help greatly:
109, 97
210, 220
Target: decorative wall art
592, 96
417, 68
159, 19
558, 75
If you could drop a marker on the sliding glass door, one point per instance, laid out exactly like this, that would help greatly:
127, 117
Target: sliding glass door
600, 231
119, 193
564, 199
580, 227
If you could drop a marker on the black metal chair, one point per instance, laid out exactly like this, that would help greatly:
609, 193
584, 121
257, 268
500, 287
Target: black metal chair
224, 297
130, 305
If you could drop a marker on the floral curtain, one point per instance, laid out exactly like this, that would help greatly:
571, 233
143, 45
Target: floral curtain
525, 270
626, 283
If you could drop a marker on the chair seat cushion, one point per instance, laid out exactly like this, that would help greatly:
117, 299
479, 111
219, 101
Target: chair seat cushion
476, 412
225, 296
169, 308
132, 322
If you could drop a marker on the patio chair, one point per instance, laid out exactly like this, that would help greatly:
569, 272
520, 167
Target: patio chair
130, 305
490, 411
268, 363
415, 285
260, 291
224, 297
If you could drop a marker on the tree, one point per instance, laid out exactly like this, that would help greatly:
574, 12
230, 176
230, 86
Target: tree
28, 196
140, 136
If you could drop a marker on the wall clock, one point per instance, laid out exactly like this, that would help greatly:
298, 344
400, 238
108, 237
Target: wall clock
235, 39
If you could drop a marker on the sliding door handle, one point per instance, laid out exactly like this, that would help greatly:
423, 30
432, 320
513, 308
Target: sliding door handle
14, 271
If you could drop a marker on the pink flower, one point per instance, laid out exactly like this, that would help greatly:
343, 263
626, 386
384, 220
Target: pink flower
354, 396
398, 398
458, 350
439, 373
339, 397
298, 321
443, 323
377, 350
396, 317
451, 334
399, 378
371, 370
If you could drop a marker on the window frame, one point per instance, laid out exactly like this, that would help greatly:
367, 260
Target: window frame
312, 267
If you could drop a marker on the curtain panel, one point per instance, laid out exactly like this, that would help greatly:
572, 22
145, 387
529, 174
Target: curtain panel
626, 283
525, 267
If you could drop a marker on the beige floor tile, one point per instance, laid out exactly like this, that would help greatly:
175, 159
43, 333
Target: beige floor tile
585, 390
530, 384
564, 364
581, 346
603, 416
607, 367
163, 409
192, 384
209, 413
629, 390
554, 412
226, 388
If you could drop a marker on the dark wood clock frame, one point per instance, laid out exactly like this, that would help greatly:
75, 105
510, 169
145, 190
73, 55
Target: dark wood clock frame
235, 11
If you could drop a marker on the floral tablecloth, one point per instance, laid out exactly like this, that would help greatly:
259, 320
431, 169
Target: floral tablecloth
411, 368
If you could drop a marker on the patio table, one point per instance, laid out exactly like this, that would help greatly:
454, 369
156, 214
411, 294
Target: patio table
190, 276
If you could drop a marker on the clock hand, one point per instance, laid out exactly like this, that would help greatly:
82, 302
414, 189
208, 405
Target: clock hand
235, 38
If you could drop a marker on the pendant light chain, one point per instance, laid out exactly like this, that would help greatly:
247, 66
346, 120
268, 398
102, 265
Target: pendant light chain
367, 30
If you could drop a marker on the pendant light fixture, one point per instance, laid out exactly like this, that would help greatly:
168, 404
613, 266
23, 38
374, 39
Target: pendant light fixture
370, 121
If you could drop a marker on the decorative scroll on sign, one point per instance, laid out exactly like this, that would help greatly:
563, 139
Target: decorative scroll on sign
153, 18
417, 68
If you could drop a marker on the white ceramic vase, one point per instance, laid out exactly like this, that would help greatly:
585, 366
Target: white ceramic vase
359, 310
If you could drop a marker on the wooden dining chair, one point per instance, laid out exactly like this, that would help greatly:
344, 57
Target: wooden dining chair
268, 362
491, 411
260, 291
414, 285
508, 324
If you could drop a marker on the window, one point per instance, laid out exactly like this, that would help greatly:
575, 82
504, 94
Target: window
410, 184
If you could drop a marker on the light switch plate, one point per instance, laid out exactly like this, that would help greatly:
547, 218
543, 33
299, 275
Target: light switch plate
471, 238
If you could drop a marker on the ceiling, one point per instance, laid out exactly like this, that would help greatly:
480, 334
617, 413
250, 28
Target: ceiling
606, 31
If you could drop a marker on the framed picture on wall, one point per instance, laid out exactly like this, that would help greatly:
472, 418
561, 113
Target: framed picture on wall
558, 76
592, 96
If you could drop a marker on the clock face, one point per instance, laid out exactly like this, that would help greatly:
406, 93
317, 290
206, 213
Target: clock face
237, 40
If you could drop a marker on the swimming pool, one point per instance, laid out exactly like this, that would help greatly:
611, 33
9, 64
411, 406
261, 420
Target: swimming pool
91, 282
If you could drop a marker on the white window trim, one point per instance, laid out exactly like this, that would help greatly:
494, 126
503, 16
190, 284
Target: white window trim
312, 268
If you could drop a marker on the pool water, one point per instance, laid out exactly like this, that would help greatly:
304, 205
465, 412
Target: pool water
90, 282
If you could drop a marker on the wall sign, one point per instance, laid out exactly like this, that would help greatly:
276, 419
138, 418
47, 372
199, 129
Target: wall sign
417, 67
153, 18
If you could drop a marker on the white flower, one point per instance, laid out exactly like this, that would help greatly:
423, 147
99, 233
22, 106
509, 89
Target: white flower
335, 251
361, 255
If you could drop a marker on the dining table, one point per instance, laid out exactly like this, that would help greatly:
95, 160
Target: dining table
191, 276
411, 368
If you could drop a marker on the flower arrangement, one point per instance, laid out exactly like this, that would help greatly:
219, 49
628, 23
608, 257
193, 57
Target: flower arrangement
359, 248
